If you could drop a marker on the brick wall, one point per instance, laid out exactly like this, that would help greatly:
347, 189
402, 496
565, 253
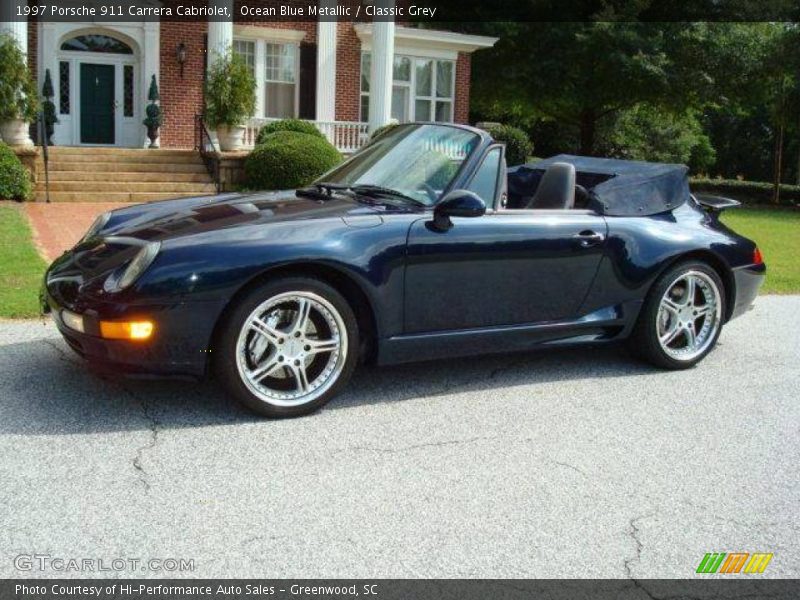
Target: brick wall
181, 97
348, 72
463, 75
33, 40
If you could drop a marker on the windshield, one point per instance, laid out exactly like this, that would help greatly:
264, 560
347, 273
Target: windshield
418, 161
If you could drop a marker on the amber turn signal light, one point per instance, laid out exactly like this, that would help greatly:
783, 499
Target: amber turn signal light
126, 330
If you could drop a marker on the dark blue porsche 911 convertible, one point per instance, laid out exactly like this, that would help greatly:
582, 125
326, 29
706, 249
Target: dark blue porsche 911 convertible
422, 245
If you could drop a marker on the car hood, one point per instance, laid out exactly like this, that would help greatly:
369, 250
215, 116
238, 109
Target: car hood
182, 221
161, 221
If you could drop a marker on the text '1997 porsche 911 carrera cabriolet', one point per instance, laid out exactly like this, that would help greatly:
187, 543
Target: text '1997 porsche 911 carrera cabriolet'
421, 245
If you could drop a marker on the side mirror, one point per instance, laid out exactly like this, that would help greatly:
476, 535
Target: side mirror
458, 203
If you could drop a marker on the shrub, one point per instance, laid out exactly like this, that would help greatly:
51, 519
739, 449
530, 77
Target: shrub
287, 125
289, 159
518, 145
748, 192
153, 115
230, 91
15, 183
48, 108
18, 99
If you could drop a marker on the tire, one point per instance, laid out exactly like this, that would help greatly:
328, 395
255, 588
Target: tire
662, 334
297, 355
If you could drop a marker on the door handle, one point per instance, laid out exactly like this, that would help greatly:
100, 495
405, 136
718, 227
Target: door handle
589, 238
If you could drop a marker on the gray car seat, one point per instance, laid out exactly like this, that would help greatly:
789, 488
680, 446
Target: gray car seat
556, 188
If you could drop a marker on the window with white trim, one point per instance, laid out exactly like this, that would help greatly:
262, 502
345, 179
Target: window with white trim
275, 67
280, 80
246, 49
423, 89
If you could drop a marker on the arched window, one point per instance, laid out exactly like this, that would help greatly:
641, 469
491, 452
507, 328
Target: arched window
97, 43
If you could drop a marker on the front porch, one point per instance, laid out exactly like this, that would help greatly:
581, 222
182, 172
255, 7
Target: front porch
346, 136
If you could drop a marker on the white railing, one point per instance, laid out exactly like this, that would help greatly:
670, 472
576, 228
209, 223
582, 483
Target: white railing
346, 136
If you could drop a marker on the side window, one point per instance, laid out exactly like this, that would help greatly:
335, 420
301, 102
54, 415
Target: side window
484, 182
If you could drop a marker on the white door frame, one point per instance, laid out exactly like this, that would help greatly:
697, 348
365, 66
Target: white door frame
118, 61
142, 37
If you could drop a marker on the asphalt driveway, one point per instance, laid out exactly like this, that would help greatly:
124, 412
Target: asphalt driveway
576, 463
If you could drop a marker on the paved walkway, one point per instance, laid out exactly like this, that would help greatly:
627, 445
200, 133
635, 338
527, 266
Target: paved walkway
58, 226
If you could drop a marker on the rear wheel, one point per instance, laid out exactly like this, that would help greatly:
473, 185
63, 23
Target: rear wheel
681, 319
288, 347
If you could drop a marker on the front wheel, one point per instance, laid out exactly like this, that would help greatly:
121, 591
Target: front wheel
288, 347
682, 317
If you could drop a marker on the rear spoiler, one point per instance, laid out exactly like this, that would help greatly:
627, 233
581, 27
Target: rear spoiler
715, 204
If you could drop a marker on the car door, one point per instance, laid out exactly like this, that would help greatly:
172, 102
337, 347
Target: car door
507, 267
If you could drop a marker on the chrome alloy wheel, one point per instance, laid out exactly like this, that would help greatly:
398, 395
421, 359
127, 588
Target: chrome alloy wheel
689, 316
292, 348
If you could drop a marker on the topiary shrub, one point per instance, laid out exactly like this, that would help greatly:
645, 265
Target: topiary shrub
518, 145
48, 108
289, 159
15, 183
153, 115
287, 125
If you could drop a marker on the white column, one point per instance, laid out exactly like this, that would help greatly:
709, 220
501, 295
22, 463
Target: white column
11, 23
220, 33
17, 26
380, 77
326, 65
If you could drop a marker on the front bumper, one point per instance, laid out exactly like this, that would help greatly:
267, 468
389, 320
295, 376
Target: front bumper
179, 346
747, 281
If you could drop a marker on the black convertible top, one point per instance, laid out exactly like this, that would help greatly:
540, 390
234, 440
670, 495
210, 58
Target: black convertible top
619, 187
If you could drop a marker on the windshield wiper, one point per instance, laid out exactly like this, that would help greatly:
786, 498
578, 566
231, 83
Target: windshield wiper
323, 190
372, 190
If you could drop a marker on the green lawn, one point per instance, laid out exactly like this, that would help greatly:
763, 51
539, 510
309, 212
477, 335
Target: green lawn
777, 233
21, 267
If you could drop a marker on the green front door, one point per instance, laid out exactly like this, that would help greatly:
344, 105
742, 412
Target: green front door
97, 104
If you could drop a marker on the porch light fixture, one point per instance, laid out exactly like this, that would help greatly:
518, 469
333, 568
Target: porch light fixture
180, 54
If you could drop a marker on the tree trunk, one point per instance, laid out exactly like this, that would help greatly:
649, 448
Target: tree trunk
588, 123
798, 164
776, 190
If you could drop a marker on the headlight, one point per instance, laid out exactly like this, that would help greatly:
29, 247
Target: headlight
98, 224
138, 265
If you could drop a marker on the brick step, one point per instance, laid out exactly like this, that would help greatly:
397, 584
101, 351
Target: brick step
109, 196
123, 157
127, 186
113, 178
124, 167
129, 152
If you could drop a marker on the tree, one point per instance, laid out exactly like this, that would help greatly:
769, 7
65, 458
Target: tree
583, 76
648, 133
582, 73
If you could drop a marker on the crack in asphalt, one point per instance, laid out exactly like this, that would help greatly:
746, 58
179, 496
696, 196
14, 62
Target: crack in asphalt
418, 446
633, 532
153, 426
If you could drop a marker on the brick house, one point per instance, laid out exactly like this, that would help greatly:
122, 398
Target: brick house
346, 77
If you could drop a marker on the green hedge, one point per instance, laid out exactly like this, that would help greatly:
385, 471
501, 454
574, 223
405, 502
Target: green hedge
289, 159
518, 145
748, 192
287, 125
15, 182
